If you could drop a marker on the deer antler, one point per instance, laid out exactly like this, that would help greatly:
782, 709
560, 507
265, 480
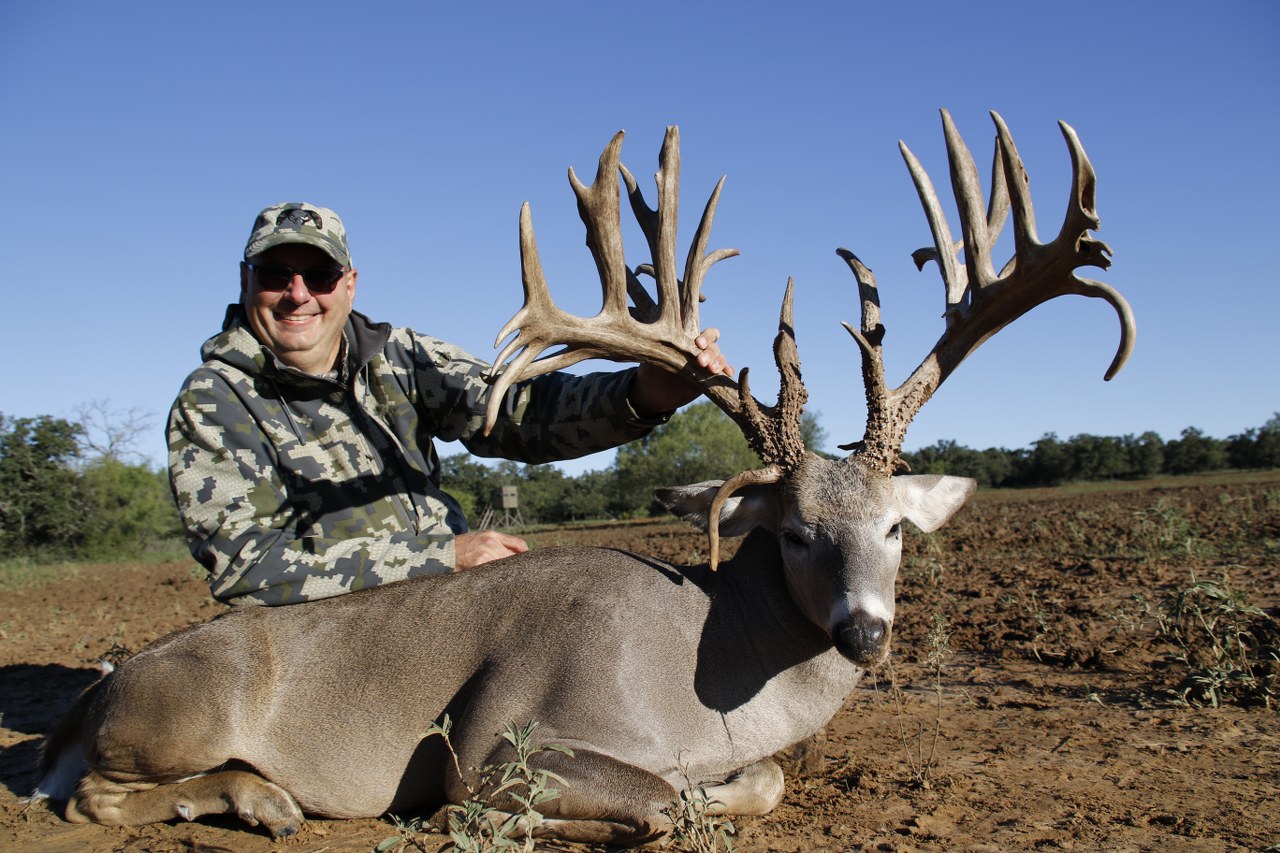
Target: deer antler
660, 332
979, 301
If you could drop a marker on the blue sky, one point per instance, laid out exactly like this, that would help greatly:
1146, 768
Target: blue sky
141, 138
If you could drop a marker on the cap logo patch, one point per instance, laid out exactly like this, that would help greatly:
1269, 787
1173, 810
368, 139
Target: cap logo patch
297, 217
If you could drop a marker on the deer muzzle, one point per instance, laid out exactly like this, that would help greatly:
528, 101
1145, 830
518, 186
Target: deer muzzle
863, 638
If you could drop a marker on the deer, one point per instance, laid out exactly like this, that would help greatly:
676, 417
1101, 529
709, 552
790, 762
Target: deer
658, 677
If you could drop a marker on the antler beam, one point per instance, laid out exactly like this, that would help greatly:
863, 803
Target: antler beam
979, 301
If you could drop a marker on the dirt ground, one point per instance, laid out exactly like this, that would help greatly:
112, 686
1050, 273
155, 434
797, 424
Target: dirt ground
1044, 713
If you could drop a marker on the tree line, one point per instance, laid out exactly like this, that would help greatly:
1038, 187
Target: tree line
69, 490
701, 443
75, 489
1052, 462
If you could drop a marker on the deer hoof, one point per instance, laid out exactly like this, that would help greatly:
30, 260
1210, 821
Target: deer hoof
274, 809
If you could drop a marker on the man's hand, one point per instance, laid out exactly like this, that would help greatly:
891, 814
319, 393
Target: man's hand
472, 549
656, 392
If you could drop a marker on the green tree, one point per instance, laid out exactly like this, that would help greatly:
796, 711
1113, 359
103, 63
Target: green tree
543, 492
470, 482
1194, 452
1145, 454
991, 467
698, 443
1048, 463
41, 505
127, 509
1096, 457
594, 495
998, 465
1256, 448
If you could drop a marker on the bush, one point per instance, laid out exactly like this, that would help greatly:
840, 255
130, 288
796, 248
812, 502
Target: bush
128, 509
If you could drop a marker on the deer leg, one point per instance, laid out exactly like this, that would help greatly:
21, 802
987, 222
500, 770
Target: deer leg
755, 789
254, 799
603, 800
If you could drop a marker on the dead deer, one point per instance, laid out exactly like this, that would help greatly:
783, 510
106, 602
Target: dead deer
658, 676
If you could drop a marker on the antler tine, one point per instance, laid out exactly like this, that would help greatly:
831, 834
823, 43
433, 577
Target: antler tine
598, 209
886, 421
980, 302
773, 433
659, 228
967, 188
944, 248
699, 260
982, 233
998, 208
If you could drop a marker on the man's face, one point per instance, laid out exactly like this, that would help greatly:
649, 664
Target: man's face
302, 328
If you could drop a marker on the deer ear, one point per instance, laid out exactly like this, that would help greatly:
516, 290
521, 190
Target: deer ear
928, 500
749, 507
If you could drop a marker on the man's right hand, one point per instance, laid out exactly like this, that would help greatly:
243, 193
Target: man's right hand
472, 549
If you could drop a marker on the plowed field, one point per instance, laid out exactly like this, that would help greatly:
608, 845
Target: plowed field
1034, 701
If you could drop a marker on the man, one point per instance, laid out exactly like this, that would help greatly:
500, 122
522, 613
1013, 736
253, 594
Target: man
301, 454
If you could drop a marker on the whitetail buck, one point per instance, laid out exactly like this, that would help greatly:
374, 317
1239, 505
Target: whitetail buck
648, 671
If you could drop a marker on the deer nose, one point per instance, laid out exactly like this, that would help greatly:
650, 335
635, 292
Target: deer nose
863, 638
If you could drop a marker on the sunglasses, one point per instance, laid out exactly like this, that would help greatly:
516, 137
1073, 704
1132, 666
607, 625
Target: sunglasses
276, 277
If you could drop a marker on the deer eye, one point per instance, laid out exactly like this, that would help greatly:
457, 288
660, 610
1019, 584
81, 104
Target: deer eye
793, 538
895, 532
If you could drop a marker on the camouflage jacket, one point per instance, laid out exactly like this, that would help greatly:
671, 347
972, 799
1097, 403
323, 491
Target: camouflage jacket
293, 487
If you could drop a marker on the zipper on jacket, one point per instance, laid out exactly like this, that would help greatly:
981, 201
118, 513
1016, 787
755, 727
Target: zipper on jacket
403, 504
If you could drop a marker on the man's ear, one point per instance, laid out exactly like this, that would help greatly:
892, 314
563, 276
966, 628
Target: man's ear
244, 281
351, 284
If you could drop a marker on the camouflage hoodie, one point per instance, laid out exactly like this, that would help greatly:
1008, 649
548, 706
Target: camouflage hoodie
294, 487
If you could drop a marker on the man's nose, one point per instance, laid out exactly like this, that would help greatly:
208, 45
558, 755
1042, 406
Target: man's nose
297, 290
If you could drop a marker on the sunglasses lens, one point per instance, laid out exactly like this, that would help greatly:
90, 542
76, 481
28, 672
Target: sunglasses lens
272, 278
322, 280
319, 280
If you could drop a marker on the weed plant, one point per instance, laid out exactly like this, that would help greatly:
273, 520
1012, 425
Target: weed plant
1229, 648
1164, 530
476, 826
1046, 642
694, 825
921, 748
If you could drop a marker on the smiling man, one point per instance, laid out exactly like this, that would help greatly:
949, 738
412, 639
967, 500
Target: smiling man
301, 451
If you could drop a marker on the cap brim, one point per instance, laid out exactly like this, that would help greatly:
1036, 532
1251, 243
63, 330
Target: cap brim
281, 238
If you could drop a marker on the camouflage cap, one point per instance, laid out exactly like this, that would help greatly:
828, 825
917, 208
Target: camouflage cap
299, 222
